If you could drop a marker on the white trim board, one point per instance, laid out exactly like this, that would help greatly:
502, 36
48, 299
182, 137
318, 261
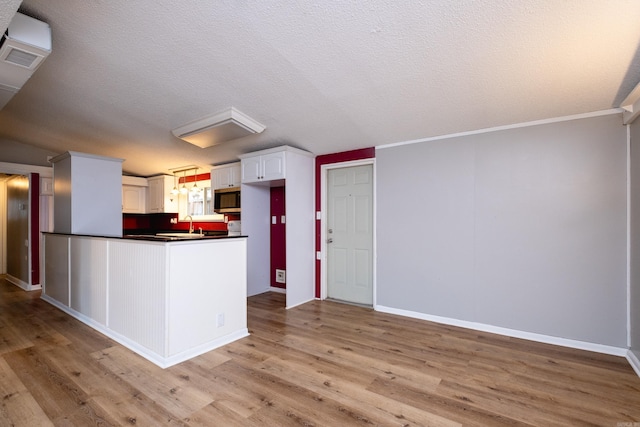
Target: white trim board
156, 359
322, 217
563, 342
20, 169
628, 232
634, 362
505, 127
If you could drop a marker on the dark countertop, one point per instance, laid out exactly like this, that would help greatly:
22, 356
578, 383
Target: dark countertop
154, 238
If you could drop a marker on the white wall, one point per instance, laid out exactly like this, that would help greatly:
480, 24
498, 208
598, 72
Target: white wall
522, 229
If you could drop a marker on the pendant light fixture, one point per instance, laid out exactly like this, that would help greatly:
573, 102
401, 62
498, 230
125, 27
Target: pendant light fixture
175, 190
195, 188
183, 189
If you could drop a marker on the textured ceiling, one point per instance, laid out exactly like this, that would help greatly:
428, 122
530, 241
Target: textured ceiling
323, 76
8, 8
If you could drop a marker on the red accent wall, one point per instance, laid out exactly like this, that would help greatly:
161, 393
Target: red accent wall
161, 222
278, 235
327, 159
34, 187
191, 178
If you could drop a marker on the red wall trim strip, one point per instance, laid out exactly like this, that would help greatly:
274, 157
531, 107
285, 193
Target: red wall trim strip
34, 194
327, 159
191, 178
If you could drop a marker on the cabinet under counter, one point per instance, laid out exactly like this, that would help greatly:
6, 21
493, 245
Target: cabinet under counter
168, 301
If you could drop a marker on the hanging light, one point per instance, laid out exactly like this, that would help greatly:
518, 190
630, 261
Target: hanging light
195, 188
183, 189
175, 190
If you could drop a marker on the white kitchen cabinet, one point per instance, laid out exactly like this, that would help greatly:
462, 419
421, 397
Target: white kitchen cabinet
133, 199
265, 167
226, 176
134, 194
159, 198
300, 219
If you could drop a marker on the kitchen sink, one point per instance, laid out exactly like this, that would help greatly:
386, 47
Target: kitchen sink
182, 235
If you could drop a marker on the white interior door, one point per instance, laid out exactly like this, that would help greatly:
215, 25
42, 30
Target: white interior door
350, 234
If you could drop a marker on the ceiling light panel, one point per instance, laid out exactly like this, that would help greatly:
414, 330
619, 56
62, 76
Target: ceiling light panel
226, 126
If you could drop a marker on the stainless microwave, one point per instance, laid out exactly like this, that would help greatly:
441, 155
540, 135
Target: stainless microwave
226, 200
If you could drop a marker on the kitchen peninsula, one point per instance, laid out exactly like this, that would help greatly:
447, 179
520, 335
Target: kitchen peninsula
167, 299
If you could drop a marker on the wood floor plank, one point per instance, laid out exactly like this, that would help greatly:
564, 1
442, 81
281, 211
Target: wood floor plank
282, 399
173, 392
320, 363
362, 403
124, 403
217, 411
18, 407
55, 392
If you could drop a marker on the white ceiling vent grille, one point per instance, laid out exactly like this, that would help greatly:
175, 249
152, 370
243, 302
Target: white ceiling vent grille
22, 58
26, 43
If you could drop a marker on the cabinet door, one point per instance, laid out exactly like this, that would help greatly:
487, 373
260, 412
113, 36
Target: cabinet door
133, 200
251, 170
218, 178
159, 197
225, 176
154, 197
235, 175
272, 166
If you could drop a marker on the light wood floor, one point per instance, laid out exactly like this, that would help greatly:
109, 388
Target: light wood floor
321, 363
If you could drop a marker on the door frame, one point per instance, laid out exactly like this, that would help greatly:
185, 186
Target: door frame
323, 229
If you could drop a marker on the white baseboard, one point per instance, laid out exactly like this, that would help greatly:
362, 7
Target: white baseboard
153, 357
634, 361
278, 290
22, 284
547, 339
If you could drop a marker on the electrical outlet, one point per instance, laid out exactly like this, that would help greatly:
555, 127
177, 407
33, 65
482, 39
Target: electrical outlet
280, 276
220, 320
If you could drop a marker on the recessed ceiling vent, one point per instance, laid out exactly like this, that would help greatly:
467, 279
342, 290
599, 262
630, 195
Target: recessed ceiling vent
222, 127
25, 44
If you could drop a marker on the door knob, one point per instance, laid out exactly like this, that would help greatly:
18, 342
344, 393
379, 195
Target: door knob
330, 230
329, 240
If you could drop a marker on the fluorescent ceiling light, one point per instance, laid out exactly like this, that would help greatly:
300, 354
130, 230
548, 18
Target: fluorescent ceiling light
222, 127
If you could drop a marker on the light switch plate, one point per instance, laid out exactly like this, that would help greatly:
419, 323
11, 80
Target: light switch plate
274, 220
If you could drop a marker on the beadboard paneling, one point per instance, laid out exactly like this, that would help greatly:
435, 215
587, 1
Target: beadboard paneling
56, 268
88, 277
138, 311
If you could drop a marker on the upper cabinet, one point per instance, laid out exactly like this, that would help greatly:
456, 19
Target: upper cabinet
133, 199
159, 197
134, 194
265, 167
225, 176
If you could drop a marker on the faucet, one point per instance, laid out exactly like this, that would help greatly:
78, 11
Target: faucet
190, 223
